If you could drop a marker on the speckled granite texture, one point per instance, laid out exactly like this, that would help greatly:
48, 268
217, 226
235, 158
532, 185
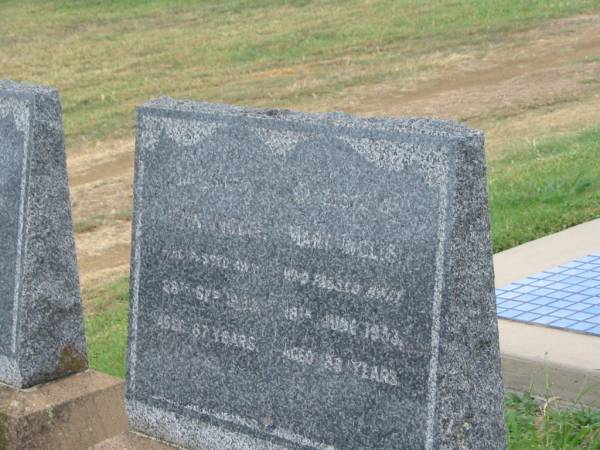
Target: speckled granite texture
312, 281
41, 321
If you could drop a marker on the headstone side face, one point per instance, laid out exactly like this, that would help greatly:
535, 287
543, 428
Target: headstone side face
15, 117
470, 397
42, 336
294, 282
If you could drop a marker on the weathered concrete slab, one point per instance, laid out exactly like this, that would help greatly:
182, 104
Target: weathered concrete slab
73, 413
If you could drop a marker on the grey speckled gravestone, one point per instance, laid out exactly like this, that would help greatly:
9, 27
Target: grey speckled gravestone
311, 281
41, 321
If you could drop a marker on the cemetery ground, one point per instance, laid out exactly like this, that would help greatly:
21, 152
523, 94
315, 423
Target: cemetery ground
526, 72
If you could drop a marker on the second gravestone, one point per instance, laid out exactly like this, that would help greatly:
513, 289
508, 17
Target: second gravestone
311, 281
41, 320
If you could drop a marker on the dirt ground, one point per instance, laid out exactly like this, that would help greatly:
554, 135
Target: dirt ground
542, 82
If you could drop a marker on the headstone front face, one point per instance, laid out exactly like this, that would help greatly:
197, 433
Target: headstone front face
41, 321
311, 281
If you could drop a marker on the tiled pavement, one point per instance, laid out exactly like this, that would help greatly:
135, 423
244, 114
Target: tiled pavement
567, 297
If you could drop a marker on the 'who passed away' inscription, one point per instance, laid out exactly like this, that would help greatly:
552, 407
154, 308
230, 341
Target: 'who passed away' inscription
277, 270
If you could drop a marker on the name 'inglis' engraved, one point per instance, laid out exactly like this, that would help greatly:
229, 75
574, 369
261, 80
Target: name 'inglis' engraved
362, 248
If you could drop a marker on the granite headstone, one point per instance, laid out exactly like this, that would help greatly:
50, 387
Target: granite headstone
41, 321
311, 281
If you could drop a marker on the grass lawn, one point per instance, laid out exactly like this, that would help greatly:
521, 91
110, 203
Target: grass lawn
544, 187
280, 53
106, 326
532, 427
108, 57
286, 53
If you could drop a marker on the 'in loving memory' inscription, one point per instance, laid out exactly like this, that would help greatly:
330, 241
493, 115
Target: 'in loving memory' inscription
282, 272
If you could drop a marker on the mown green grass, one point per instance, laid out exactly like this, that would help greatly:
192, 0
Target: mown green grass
108, 57
534, 427
106, 326
545, 187
529, 425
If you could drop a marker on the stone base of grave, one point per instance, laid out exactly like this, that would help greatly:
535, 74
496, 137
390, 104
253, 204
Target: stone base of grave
72, 413
133, 441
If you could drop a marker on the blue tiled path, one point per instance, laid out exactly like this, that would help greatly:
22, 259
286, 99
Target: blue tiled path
567, 297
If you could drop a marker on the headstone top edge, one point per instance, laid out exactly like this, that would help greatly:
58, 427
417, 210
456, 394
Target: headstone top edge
406, 125
14, 87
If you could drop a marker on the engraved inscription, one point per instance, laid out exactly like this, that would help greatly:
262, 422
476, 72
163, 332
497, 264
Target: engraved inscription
291, 272
292, 275
301, 237
211, 260
332, 363
207, 333
209, 295
373, 332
